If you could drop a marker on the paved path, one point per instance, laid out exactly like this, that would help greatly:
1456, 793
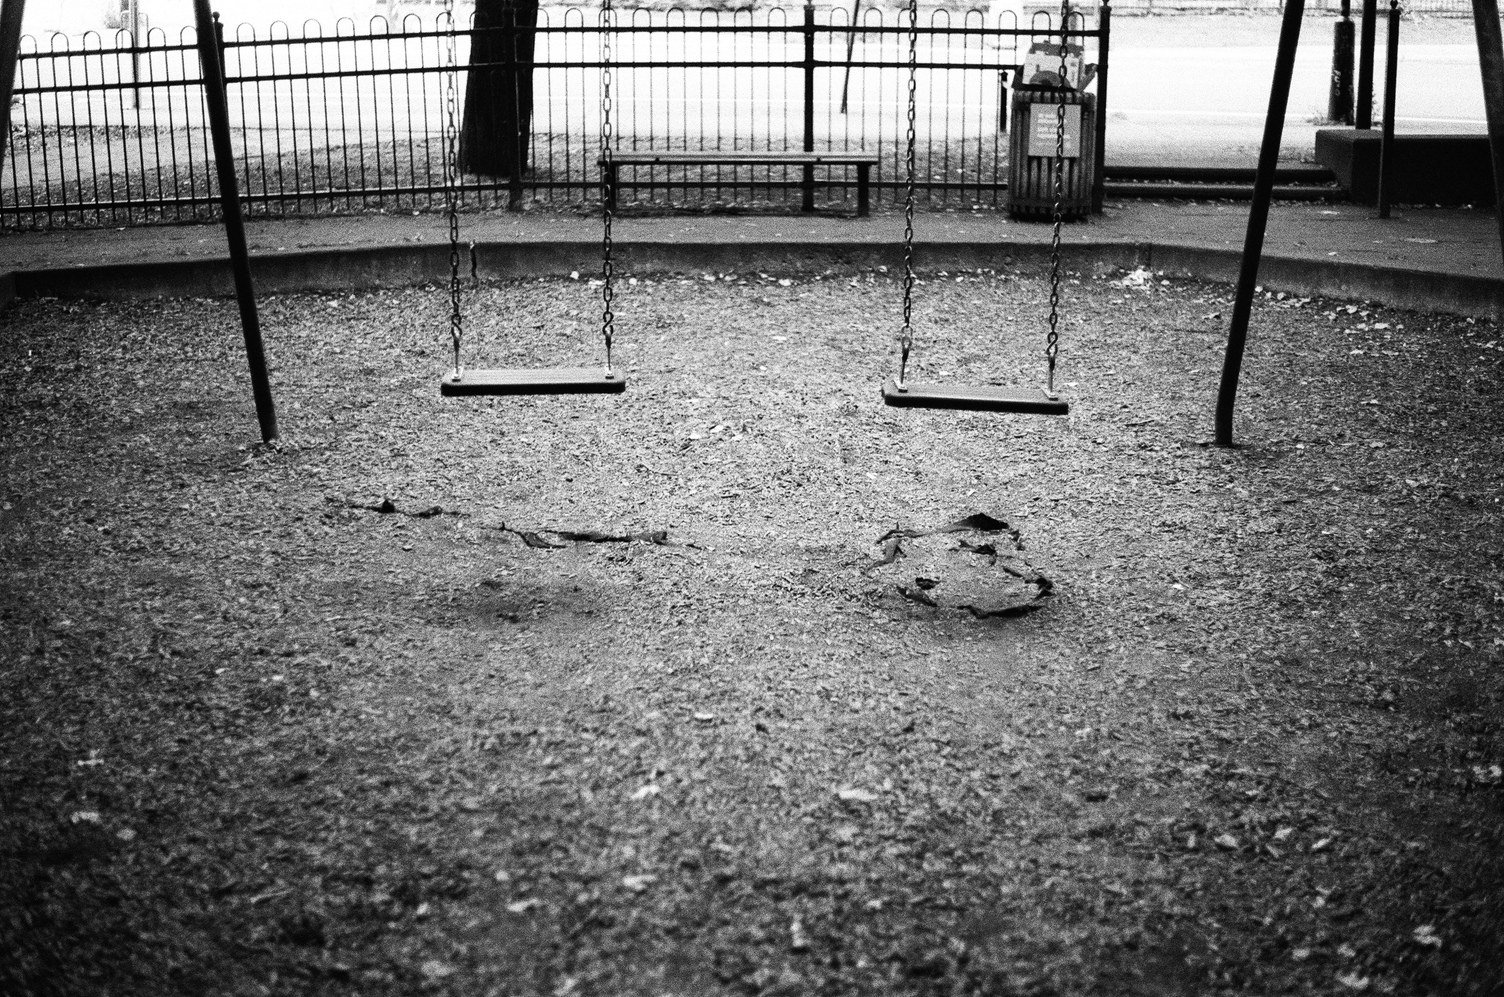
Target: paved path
1196, 86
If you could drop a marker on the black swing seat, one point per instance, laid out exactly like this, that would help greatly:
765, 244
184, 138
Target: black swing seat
974, 398
535, 381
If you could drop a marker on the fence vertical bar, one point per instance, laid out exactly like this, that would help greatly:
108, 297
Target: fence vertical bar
1099, 178
125, 145
1491, 66
245, 148
57, 113
1386, 139
90, 177
512, 70
1364, 115
423, 79
929, 123
136, 46
808, 183
271, 57
217, 98
102, 130
391, 103
11, 12
31, 182
1258, 218
313, 153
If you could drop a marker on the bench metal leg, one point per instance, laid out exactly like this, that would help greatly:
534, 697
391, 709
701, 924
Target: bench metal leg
809, 188
863, 189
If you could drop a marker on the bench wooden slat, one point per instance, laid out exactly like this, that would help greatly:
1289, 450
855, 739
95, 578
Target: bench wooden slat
637, 157
806, 161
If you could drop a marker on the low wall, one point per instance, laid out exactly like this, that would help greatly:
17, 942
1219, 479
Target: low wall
1428, 169
395, 266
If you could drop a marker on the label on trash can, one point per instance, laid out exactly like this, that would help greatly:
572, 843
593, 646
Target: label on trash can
1043, 123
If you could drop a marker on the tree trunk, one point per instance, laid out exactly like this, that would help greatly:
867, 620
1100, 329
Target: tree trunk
495, 136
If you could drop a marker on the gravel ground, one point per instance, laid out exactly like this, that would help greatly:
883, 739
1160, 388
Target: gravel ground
643, 696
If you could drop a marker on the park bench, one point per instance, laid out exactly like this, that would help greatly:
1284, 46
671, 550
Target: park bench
863, 161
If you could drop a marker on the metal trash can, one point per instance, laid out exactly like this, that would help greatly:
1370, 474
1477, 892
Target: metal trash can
1031, 153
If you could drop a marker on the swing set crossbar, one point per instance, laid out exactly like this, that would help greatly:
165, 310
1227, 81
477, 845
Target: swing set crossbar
974, 398
535, 381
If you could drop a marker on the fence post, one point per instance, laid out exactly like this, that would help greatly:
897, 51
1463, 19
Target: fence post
10, 53
510, 70
1099, 180
133, 18
217, 100
1365, 65
1386, 138
809, 103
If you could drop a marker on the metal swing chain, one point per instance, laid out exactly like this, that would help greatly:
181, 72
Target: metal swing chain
906, 337
608, 269
451, 181
1052, 338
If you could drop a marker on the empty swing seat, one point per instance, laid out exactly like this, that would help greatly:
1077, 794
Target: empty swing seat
974, 398
535, 381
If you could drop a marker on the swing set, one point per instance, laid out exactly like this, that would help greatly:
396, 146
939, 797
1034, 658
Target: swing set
899, 391
525, 380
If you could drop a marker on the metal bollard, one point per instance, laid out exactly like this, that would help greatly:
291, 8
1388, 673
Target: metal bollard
1339, 102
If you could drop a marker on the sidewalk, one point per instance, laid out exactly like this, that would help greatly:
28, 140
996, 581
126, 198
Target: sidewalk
1429, 259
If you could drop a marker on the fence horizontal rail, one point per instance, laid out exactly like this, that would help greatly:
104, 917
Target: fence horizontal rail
349, 74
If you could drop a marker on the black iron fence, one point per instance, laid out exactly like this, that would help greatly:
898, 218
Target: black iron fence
106, 132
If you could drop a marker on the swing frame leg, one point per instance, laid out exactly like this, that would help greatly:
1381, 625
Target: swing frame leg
1258, 219
216, 98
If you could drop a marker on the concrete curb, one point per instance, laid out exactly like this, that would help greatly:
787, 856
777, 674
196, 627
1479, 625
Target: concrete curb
346, 269
1396, 287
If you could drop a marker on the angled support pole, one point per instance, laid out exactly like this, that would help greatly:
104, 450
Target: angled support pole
1491, 63
1258, 218
209, 55
11, 12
